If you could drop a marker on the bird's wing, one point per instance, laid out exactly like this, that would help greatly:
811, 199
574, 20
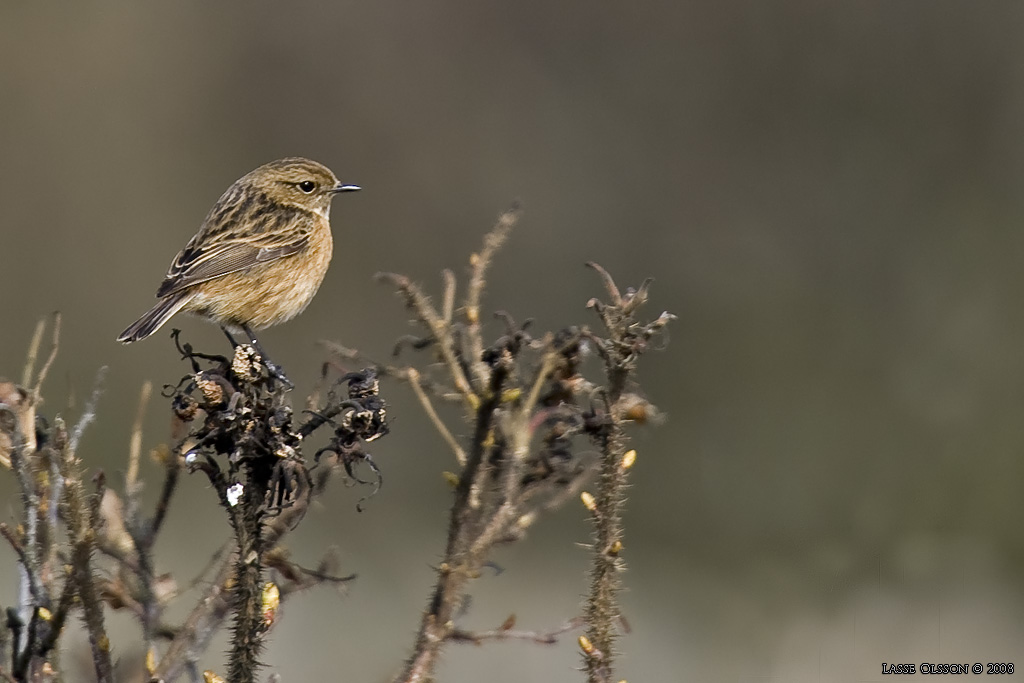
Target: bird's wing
205, 259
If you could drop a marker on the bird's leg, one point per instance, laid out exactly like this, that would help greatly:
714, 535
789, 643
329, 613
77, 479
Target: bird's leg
273, 368
231, 337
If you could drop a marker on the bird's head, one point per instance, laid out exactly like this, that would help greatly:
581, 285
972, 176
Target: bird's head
298, 182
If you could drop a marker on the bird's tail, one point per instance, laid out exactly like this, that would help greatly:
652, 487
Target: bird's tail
157, 316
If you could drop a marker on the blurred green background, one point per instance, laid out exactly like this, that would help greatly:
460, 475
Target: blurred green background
828, 196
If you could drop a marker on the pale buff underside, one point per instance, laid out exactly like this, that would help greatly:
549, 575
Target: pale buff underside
268, 294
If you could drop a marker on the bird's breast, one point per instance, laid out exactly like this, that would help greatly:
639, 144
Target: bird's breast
270, 293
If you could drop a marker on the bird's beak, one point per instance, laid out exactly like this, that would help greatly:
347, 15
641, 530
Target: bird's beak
344, 188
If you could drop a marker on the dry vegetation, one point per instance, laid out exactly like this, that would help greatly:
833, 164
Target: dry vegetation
535, 419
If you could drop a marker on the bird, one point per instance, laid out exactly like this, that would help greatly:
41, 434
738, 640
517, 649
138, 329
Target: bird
259, 256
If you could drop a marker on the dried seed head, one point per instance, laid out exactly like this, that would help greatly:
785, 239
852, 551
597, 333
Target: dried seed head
246, 363
185, 407
211, 390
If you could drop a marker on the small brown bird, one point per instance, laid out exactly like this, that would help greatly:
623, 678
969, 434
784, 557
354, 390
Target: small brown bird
259, 256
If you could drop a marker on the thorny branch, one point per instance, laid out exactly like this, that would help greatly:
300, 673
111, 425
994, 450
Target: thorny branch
49, 479
241, 434
249, 447
620, 350
529, 405
82, 515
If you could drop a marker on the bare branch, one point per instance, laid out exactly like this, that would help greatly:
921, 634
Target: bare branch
45, 370
31, 565
609, 283
89, 415
428, 315
79, 518
33, 353
502, 633
200, 625
135, 449
414, 380
171, 474
448, 309
479, 263
35, 584
547, 365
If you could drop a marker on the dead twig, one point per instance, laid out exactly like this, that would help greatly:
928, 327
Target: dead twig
33, 353
479, 263
419, 302
80, 517
45, 370
507, 632
414, 380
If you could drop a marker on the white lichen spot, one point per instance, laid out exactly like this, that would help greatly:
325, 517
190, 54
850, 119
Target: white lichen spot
235, 494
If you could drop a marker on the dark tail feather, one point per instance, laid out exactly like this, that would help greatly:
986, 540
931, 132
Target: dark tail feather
151, 321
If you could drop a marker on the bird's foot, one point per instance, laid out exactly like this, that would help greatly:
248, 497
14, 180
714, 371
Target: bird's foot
276, 373
248, 364
257, 354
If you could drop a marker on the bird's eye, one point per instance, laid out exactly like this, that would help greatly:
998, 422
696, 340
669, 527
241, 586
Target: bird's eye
307, 186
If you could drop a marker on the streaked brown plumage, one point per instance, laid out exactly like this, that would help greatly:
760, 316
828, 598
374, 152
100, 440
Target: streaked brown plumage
259, 256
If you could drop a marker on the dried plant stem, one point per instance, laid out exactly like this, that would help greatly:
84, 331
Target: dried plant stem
524, 425
89, 414
135, 449
200, 625
479, 263
171, 476
139, 530
56, 493
64, 605
30, 591
248, 628
602, 610
45, 370
448, 302
33, 354
509, 633
460, 561
414, 380
442, 332
81, 521
36, 590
